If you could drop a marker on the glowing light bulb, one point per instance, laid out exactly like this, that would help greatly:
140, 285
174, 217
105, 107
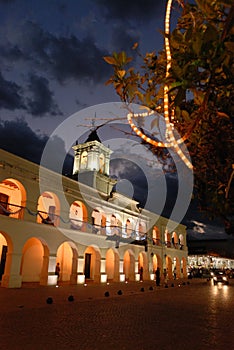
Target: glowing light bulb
169, 126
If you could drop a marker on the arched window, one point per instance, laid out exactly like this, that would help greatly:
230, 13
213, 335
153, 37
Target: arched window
76, 215
156, 236
48, 209
4, 199
12, 198
116, 225
181, 241
175, 240
96, 218
141, 230
128, 228
101, 163
113, 220
83, 160
167, 239
98, 222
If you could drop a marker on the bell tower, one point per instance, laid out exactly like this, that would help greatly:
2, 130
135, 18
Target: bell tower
92, 163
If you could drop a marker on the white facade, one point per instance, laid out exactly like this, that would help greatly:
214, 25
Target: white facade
95, 234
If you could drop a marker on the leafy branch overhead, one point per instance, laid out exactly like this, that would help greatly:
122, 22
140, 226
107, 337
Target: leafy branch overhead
201, 93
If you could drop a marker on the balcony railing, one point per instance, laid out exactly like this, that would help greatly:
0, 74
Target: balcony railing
8, 209
115, 233
111, 232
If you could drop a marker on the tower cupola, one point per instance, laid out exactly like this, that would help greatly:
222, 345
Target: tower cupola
92, 163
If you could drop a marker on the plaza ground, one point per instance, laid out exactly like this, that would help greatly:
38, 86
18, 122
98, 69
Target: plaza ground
187, 316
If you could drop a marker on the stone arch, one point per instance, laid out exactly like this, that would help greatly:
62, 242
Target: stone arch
78, 215
184, 268
34, 262
156, 236
169, 267
114, 226
157, 262
99, 221
181, 241
175, 240
92, 263
143, 266
6, 250
129, 265
140, 230
12, 198
112, 265
176, 267
48, 209
167, 237
67, 257
128, 227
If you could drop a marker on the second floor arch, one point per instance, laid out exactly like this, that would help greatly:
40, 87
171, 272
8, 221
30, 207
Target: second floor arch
12, 198
78, 215
48, 209
156, 236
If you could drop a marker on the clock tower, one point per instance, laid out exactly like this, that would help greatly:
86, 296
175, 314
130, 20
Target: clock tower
92, 163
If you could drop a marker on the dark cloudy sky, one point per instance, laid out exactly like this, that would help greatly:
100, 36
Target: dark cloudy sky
52, 54
52, 60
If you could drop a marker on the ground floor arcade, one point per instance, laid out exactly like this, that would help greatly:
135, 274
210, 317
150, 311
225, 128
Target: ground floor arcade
31, 258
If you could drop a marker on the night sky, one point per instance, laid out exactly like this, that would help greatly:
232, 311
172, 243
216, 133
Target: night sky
52, 54
52, 66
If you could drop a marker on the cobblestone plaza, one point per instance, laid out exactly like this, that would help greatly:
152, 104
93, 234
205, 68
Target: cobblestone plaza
187, 316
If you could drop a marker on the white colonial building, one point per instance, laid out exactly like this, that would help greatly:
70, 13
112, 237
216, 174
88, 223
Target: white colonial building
95, 233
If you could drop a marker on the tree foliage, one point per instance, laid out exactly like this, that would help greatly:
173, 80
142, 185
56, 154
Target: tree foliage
201, 92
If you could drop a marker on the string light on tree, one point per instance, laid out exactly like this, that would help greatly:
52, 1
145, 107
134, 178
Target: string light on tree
172, 142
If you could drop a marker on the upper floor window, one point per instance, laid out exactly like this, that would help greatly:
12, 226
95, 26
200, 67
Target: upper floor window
4, 204
84, 160
102, 163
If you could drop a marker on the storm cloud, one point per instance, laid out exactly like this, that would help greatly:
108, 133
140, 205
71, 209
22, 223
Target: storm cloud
141, 10
18, 138
41, 101
63, 58
10, 95
54, 59
123, 39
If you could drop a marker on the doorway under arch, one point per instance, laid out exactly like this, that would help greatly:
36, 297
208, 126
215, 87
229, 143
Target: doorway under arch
6, 248
67, 257
143, 266
34, 262
176, 268
129, 265
184, 268
157, 262
169, 267
112, 265
92, 263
